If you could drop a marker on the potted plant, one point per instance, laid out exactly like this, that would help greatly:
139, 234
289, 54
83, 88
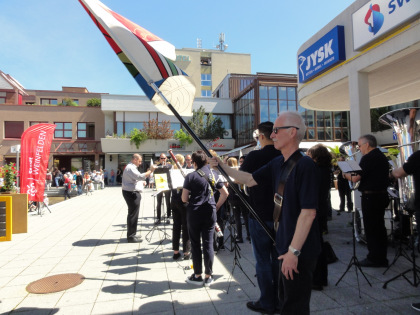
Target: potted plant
9, 173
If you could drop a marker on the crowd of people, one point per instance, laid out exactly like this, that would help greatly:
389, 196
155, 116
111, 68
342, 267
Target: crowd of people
80, 181
289, 195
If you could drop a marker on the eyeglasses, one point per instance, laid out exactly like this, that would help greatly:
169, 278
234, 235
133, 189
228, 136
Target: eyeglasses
358, 146
276, 129
163, 158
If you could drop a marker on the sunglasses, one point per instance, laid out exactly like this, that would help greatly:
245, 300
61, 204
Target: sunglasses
276, 129
163, 158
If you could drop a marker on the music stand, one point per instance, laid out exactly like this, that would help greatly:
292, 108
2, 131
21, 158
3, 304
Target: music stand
163, 183
236, 257
155, 227
229, 224
353, 169
414, 269
393, 193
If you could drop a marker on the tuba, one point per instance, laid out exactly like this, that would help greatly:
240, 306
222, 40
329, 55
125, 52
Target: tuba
405, 124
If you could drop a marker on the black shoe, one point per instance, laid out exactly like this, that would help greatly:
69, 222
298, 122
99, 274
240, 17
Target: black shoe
416, 306
369, 263
317, 287
187, 256
134, 239
167, 221
239, 240
248, 238
194, 280
256, 307
157, 222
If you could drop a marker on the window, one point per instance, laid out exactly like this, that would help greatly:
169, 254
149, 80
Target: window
125, 127
205, 61
63, 130
13, 129
86, 131
76, 101
205, 93
175, 126
49, 101
2, 97
33, 123
225, 120
205, 79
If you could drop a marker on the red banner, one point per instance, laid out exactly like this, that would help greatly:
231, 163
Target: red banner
35, 152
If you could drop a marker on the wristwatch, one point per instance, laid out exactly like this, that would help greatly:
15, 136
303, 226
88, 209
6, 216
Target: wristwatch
294, 251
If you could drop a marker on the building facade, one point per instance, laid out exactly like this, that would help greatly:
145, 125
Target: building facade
263, 96
366, 57
123, 113
207, 67
76, 143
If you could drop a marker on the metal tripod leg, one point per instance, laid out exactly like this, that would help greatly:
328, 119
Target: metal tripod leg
237, 263
354, 261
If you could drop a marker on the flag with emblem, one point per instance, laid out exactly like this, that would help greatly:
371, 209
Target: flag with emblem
147, 57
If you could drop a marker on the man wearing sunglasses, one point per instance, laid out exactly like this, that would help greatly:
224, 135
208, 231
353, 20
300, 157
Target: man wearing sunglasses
261, 200
297, 239
163, 164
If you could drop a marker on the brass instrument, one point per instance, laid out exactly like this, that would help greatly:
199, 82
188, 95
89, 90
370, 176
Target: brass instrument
405, 124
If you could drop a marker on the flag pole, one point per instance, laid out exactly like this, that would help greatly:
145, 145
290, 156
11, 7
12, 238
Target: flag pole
222, 171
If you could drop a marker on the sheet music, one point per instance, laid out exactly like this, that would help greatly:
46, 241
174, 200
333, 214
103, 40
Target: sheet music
349, 166
161, 182
177, 178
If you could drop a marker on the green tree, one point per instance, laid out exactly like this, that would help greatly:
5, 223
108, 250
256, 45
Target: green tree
183, 137
137, 137
93, 102
206, 126
68, 102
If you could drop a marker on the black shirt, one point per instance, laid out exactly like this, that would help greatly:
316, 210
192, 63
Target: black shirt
375, 171
261, 195
300, 192
200, 190
412, 167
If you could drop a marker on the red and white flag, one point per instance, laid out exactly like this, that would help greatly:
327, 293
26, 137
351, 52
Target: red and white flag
35, 152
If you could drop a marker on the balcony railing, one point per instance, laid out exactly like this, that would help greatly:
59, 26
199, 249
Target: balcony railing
78, 146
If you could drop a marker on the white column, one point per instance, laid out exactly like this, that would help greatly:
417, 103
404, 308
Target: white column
359, 104
359, 113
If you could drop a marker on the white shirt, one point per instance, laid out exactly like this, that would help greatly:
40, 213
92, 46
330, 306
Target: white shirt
130, 177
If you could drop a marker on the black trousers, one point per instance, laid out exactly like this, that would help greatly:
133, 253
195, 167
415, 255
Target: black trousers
159, 197
179, 212
67, 192
295, 295
239, 209
373, 209
201, 225
132, 198
345, 192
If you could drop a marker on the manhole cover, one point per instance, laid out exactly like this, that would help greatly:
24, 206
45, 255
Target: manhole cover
55, 283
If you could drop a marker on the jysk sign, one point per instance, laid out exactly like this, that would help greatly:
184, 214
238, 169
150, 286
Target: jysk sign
325, 53
378, 17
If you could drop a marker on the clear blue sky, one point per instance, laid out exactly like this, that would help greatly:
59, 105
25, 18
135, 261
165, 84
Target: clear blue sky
47, 44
